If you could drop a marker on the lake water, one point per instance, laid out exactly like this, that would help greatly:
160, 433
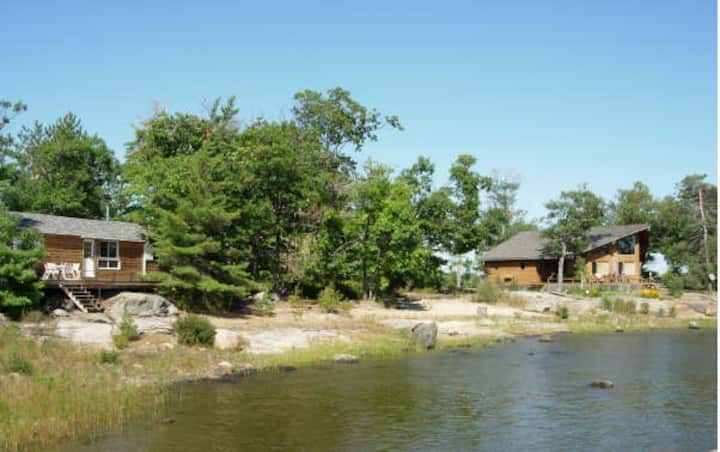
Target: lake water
518, 396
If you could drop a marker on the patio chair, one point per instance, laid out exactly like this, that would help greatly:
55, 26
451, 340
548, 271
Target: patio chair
71, 271
52, 271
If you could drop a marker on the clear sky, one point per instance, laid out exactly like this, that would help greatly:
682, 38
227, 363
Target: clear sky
556, 92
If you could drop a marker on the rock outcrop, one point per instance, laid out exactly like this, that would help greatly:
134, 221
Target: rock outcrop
140, 305
603, 384
345, 359
424, 334
228, 340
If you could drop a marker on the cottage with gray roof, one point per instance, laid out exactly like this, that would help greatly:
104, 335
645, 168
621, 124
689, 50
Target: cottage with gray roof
91, 253
615, 253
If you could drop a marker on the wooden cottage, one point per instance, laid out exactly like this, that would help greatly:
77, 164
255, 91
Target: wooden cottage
84, 255
616, 254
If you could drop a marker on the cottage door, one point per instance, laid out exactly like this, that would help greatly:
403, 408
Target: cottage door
88, 259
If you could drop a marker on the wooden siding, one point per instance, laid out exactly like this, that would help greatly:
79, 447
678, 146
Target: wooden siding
523, 273
538, 272
610, 256
63, 248
69, 249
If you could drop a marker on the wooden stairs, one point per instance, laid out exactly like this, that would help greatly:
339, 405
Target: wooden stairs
81, 297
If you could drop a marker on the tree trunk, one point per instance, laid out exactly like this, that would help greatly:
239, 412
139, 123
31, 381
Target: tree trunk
458, 276
705, 238
561, 267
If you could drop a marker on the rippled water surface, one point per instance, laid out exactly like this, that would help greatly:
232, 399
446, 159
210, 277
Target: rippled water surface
521, 396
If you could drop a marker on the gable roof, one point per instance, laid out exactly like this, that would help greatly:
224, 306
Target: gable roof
81, 227
530, 245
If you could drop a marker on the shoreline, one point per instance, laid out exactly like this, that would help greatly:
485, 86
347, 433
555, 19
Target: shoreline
138, 384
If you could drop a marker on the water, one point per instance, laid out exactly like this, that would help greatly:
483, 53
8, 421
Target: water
522, 396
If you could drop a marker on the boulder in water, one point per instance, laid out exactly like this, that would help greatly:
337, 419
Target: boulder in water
424, 334
693, 325
602, 384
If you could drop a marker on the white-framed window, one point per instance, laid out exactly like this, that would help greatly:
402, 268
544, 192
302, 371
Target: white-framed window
109, 257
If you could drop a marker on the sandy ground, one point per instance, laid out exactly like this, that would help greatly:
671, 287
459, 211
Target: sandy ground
290, 328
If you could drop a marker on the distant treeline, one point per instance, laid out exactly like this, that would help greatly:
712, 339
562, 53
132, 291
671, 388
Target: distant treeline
234, 208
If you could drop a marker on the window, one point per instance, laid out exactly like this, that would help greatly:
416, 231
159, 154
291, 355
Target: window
109, 255
601, 268
87, 249
626, 245
594, 268
522, 266
627, 268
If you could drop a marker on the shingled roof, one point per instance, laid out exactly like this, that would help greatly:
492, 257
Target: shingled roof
81, 227
530, 245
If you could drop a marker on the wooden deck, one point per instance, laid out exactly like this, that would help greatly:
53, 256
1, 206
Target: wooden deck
92, 283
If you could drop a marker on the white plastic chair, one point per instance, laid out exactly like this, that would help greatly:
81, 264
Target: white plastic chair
71, 271
52, 271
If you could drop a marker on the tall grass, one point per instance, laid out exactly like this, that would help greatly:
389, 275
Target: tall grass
67, 393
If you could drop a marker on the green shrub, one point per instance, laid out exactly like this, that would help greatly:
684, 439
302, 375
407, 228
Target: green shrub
619, 306
121, 341
563, 312
128, 328
673, 312
329, 299
630, 307
675, 284
645, 308
661, 312
607, 302
594, 292
293, 299
487, 291
195, 330
108, 356
18, 364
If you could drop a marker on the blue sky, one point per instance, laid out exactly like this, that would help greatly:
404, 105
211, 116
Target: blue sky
557, 92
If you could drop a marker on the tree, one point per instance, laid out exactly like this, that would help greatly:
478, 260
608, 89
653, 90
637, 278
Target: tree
20, 251
467, 184
195, 236
60, 169
634, 206
570, 218
502, 220
339, 120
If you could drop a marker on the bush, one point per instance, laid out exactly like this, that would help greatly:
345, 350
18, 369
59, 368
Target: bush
630, 307
128, 328
121, 341
329, 299
19, 364
661, 312
645, 309
487, 291
673, 312
195, 330
563, 312
675, 284
607, 303
618, 306
108, 357
650, 293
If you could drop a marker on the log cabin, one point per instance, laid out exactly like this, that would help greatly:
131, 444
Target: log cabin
616, 254
85, 255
